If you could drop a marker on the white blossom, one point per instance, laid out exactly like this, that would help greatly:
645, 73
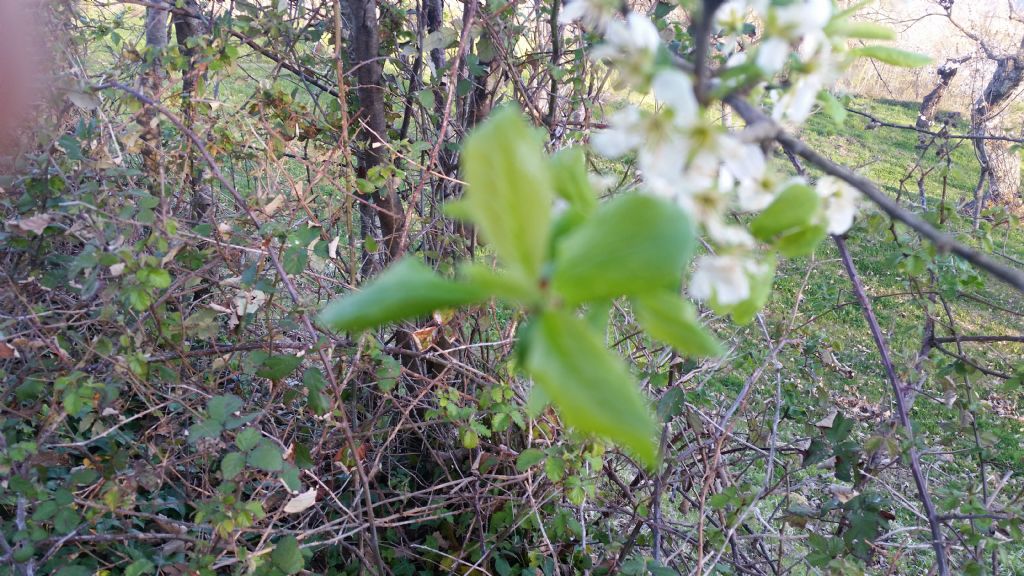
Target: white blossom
800, 21
839, 205
758, 193
593, 15
772, 54
800, 18
722, 278
660, 146
630, 47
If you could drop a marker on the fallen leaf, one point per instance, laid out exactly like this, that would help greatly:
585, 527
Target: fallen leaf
249, 301
117, 269
301, 502
842, 493
827, 421
84, 101
7, 351
36, 223
424, 337
170, 254
332, 248
274, 205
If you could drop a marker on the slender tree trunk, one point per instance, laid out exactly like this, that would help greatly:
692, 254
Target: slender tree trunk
152, 84
189, 31
372, 128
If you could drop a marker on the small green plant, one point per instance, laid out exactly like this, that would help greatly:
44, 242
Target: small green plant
564, 269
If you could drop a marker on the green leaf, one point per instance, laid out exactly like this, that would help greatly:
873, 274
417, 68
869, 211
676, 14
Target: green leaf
247, 439
232, 465
501, 284
862, 30
591, 387
266, 457
894, 56
470, 439
220, 408
287, 556
631, 245
406, 290
295, 259
528, 458
66, 520
154, 277
204, 429
671, 404
290, 477
277, 367
671, 319
795, 207
572, 184
75, 570
139, 567
801, 242
554, 468
509, 190
833, 107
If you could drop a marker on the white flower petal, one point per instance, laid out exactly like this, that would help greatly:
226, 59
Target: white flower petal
744, 161
722, 278
772, 54
675, 89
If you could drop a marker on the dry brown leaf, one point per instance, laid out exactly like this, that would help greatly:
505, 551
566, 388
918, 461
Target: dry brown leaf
301, 502
35, 224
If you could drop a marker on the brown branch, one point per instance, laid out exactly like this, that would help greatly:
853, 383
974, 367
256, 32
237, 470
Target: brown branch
942, 241
901, 409
946, 339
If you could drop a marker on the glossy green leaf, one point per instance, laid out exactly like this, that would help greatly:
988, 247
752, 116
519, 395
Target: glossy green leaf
509, 190
671, 319
862, 30
572, 183
591, 387
500, 284
406, 290
631, 245
794, 208
893, 56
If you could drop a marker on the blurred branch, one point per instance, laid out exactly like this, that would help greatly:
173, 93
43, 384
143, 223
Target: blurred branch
942, 241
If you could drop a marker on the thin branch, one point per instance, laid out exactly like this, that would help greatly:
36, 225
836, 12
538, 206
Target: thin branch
901, 409
942, 241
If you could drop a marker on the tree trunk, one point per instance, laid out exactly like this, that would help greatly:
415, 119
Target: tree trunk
1000, 166
188, 31
371, 124
930, 104
152, 83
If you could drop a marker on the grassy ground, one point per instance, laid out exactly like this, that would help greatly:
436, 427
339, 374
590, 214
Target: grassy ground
886, 156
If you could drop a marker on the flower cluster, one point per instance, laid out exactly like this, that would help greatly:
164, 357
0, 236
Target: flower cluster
684, 155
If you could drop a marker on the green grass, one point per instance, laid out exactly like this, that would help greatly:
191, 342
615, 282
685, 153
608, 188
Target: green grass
886, 156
